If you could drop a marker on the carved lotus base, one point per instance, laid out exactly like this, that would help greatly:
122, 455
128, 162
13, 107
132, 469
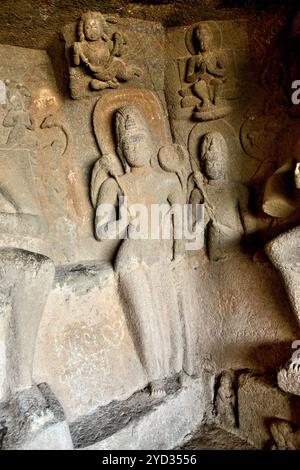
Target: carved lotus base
212, 113
289, 377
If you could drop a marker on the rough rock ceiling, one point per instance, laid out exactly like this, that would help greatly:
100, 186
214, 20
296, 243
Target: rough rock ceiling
33, 23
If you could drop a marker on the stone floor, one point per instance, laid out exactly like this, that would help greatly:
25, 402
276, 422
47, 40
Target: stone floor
210, 437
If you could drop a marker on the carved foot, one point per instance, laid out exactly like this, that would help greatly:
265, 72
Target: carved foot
184, 378
157, 389
99, 85
289, 377
204, 106
113, 83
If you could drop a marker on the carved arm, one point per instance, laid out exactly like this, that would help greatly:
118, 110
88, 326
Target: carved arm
107, 227
218, 71
191, 75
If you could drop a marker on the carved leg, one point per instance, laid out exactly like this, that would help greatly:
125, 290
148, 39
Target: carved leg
26, 279
284, 252
201, 91
216, 88
125, 72
143, 321
30, 416
153, 320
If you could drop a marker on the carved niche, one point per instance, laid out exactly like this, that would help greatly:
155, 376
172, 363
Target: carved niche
96, 53
204, 75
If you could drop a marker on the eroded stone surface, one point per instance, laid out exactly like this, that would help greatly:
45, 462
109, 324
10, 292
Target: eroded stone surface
26, 280
210, 437
257, 414
174, 420
285, 436
88, 360
117, 317
34, 420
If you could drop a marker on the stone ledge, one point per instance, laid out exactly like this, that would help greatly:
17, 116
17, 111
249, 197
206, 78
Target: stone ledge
166, 426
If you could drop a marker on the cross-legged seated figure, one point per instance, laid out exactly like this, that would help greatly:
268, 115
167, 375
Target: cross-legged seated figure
100, 54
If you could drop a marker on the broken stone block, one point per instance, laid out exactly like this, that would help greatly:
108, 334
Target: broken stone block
34, 419
260, 401
168, 425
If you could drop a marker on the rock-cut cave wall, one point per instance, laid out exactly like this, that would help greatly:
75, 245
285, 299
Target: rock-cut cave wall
103, 340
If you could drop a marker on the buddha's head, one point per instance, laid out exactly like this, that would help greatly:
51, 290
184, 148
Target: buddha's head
203, 38
134, 142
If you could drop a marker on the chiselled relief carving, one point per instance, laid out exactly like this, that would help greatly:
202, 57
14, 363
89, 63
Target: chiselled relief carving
259, 136
205, 74
2, 92
135, 170
20, 211
3, 431
26, 279
285, 436
226, 400
51, 122
282, 199
227, 218
18, 117
100, 54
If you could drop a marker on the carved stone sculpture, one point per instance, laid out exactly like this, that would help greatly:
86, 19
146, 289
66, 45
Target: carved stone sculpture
227, 218
282, 195
34, 419
20, 210
282, 198
3, 431
143, 265
284, 436
26, 280
206, 73
99, 50
225, 401
18, 116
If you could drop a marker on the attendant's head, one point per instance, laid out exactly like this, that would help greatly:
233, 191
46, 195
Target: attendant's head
213, 155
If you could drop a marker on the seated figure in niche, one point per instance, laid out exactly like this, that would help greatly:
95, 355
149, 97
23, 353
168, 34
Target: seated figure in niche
226, 216
205, 72
100, 53
143, 265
